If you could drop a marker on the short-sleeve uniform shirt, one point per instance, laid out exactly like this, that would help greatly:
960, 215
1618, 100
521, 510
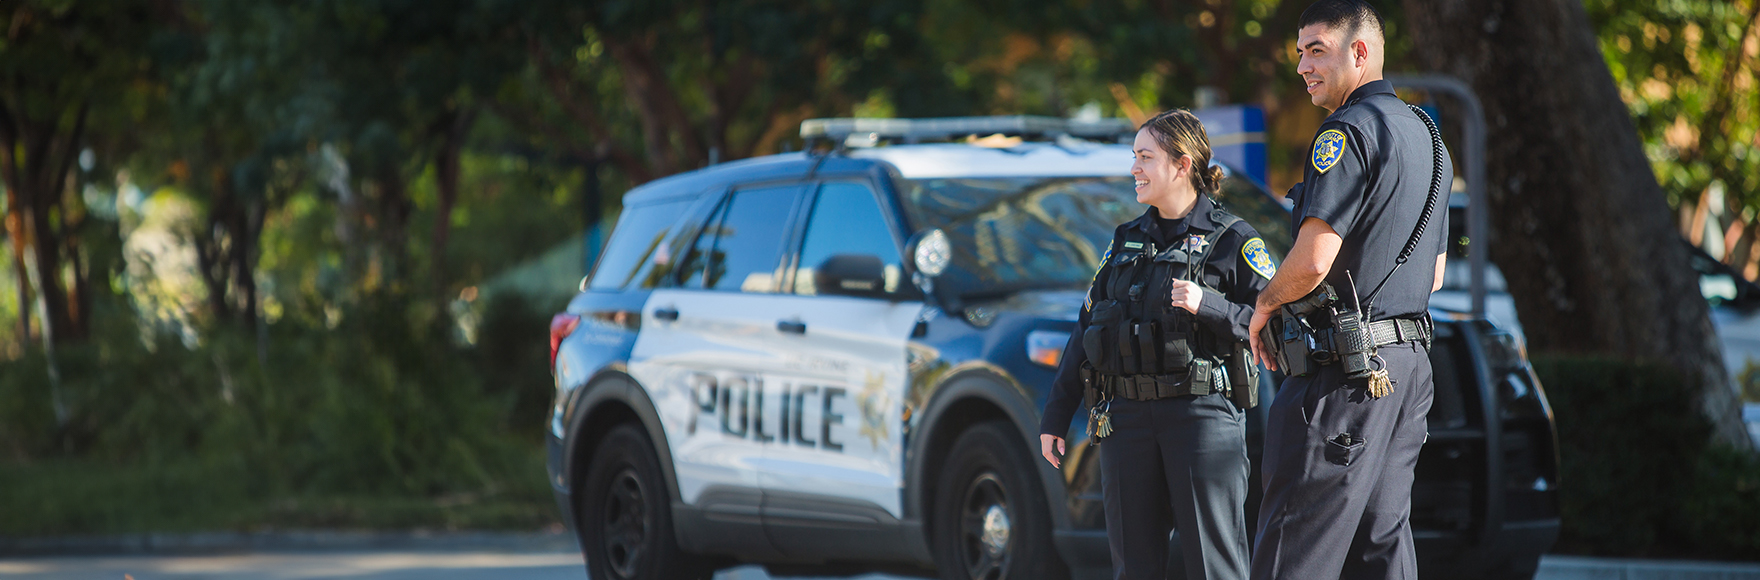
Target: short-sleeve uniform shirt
1367, 175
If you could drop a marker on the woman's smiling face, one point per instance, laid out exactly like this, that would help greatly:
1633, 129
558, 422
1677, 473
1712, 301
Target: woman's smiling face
1157, 172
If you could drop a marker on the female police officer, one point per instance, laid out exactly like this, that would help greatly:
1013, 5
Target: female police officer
1166, 314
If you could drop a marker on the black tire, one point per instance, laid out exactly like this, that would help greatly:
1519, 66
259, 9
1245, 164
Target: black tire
624, 515
988, 484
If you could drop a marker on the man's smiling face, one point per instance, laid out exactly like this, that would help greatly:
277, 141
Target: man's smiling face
1326, 65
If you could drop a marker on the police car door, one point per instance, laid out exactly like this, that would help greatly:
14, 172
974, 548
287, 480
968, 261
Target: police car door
708, 347
837, 465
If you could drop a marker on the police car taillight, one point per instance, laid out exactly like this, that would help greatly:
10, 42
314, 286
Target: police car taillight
561, 326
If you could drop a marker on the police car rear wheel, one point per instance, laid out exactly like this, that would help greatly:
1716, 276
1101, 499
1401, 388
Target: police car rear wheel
991, 523
624, 519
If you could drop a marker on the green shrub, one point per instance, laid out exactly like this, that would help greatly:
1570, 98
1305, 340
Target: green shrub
1639, 476
378, 412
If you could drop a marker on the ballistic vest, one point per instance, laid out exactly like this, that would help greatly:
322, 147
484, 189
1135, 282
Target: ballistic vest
1136, 330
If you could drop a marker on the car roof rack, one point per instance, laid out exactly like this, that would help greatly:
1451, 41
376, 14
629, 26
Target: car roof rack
861, 131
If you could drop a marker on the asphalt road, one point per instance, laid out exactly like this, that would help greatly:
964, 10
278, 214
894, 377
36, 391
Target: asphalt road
374, 565
558, 565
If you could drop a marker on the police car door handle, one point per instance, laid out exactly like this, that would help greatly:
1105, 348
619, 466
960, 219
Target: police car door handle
792, 326
667, 314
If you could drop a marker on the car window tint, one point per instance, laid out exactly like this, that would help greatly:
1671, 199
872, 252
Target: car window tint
847, 219
742, 248
635, 242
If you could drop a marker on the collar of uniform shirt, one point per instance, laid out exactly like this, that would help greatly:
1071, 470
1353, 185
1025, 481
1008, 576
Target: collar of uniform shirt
1199, 220
1374, 87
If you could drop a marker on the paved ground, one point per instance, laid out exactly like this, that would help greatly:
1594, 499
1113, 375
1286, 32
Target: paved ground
557, 565
479, 556
351, 565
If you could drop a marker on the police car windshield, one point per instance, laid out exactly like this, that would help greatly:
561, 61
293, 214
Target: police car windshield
1014, 233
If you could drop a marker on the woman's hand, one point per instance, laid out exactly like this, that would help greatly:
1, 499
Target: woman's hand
1045, 440
1186, 294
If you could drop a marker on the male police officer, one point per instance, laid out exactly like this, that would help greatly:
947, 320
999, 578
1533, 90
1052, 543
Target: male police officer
1343, 435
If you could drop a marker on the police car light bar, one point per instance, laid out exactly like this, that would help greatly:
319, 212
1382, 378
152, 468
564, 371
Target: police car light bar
951, 128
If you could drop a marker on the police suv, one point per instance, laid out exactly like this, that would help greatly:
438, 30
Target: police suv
835, 361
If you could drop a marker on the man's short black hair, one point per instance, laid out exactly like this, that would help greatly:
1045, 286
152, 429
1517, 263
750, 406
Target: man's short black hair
1352, 17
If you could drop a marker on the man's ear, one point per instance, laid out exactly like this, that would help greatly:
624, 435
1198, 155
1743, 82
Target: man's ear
1360, 52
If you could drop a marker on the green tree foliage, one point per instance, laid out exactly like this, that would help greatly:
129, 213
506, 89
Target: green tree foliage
1688, 71
654, 88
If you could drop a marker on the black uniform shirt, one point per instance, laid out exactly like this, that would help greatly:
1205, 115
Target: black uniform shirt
1238, 266
1367, 177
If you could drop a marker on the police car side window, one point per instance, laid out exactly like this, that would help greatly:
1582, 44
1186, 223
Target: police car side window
847, 219
635, 242
741, 247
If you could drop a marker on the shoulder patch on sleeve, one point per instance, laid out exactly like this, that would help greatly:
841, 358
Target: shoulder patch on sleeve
1257, 258
1088, 302
1328, 147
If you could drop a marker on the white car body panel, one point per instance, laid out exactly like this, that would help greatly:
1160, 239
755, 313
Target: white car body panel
703, 370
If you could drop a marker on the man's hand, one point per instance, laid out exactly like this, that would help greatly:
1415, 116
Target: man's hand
1186, 294
1261, 315
1045, 440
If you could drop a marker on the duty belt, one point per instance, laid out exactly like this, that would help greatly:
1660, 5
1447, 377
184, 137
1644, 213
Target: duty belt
1204, 378
1398, 330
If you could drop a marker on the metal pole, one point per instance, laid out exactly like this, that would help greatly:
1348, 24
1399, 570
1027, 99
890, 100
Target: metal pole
1477, 206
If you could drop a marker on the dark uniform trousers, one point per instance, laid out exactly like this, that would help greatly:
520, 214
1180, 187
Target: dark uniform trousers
1180, 463
1337, 511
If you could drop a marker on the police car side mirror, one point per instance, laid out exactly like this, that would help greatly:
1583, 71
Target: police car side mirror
851, 275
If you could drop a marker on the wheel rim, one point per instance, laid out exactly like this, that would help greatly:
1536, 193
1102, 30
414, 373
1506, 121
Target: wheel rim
986, 529
626, 524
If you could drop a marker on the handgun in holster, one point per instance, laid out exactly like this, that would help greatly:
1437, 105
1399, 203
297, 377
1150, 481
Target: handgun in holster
1287, 335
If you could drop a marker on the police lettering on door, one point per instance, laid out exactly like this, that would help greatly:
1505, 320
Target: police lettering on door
734, 404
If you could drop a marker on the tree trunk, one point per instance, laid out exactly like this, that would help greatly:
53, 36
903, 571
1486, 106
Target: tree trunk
453, 127
15, 236
1580, 226
215, 245
394, 210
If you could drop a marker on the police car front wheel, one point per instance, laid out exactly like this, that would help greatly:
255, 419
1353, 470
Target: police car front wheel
624, 518
991, 521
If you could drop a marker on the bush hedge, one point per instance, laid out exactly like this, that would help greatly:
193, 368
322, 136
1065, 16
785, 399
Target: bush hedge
375, 422
1639, 476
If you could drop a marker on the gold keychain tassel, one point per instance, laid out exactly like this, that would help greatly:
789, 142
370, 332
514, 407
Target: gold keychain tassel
1379, 385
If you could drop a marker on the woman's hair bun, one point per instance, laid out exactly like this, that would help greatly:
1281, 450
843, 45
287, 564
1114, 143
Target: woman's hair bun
1212, 179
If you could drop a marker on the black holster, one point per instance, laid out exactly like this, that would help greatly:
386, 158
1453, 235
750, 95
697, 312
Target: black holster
1090, 386
1243, 377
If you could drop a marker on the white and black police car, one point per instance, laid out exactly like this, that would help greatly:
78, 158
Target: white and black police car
834, 362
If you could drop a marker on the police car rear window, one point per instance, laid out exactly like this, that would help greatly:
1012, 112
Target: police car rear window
635, 241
